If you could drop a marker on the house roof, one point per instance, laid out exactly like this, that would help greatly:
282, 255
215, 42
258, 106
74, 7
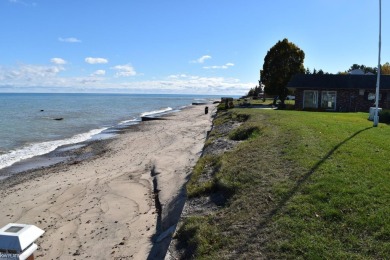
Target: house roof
18, 236
330, 81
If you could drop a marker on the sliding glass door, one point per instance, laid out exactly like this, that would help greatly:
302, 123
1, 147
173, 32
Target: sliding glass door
310, 99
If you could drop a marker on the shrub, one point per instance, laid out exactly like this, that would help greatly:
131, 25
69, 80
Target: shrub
244, 132
384, 117
221, 107
240, 117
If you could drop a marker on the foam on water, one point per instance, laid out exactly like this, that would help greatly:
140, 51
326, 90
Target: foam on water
164, 110
37, 149
129, 122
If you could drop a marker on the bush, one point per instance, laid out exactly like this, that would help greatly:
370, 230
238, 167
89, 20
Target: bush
221, 107
244, 132
240, 117
384, 117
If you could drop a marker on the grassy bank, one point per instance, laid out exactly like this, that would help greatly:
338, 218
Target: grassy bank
296, 185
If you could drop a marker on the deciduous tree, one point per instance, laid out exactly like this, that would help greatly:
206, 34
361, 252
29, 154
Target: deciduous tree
363, 68
385, 69
282, 61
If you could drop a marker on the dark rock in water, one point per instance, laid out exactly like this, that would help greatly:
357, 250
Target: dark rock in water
199, 103
58, 118
42, 110
150, 118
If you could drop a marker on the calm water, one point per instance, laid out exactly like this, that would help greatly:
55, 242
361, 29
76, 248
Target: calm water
28, 128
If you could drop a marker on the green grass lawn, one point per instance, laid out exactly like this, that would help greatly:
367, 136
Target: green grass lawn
304, 185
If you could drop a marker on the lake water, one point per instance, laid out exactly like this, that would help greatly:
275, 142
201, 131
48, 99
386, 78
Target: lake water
36, 124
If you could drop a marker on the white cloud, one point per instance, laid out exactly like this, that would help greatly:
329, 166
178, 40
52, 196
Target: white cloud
58, 61
99, 73
197, 84
226, 66
88, 80
124, 71
28, 73
91, 60
177, 76
201, 59
69, 40
39, 78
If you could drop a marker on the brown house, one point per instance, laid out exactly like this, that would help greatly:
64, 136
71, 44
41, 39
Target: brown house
344, 93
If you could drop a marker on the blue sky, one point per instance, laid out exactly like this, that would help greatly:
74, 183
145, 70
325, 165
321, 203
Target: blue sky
172, 46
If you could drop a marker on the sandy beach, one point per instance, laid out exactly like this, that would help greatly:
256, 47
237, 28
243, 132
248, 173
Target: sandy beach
105, 207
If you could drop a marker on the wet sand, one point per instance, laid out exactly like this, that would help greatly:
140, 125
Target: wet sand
105, 207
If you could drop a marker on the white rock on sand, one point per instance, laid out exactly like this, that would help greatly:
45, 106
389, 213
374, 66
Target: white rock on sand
104, 208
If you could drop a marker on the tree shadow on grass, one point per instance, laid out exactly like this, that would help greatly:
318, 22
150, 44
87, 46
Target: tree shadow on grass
279, 207
306, 176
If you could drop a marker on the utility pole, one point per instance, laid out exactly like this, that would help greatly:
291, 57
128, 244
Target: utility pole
376, 117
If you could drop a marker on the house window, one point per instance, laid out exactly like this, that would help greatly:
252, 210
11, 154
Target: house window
310, 99
328, 100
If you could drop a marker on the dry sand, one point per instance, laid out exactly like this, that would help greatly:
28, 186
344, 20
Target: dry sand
104, 207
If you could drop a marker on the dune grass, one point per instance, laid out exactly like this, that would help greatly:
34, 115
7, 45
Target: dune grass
303, 185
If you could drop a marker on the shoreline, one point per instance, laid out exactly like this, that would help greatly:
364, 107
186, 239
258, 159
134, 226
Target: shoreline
103, 206
69, 146
74, 151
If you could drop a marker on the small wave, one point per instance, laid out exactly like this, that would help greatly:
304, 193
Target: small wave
157, 112
37, 149
131, 121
